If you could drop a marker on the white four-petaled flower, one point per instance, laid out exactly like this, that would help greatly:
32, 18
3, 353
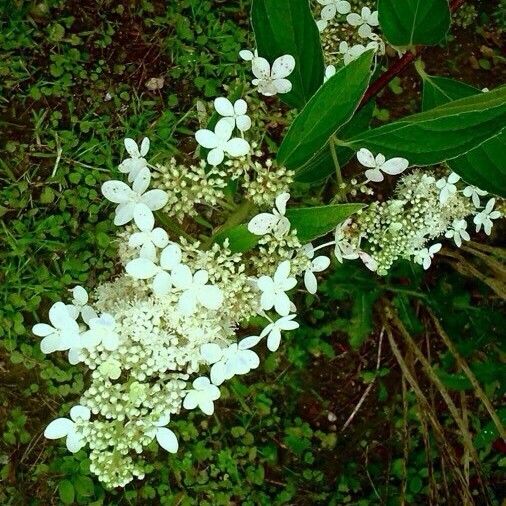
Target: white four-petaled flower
66, 427
318, 264
458, 232
474, 194
485, 217
365, 20
380, 164
221, 143
274, 289
273, 330
273, 80
102, 331
135, 203
424, 256
330, 9
447, 187
234, 113
203, 395
133, 165
236, 359
62, 335
80, 305
148, 239
275, 222
195, 290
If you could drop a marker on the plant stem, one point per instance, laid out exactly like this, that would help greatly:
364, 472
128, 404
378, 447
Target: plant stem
339, 176
398, 66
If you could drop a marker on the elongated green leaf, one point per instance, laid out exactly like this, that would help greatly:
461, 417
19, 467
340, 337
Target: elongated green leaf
440, 134
441, 90
331, 107
413, 22
240, 239
313, 222
483, 166
321, 165
288, 27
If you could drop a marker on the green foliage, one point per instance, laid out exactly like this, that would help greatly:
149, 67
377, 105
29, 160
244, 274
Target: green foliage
413, 22
482, 166
328, 110
288, 27
442, 133
314, 222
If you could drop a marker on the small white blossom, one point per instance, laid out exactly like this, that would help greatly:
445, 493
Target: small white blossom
474, 194
146, 268
62, 335
271, 81
273, 330
368, 261
332, 7
234, 113
447, 187
221, 143
485, 217
80, 305
102, 331
148, 239
135, 203
380, 164
65, 427
203, 395
133, 165
318, 264
364, 21
165, 437
195, 290
236, 359
275, 222
273, 289
458, 232
344, 250
424, 256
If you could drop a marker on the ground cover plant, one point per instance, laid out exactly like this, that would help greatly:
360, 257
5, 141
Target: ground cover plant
303, 302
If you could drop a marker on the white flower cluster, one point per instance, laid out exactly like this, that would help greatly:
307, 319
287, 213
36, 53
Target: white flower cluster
164, 335
363, 23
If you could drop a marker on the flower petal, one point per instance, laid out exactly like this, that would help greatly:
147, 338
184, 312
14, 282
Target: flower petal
132, 148
366, 158
58, 428
143, 217
395, 166
237, 147
155, 199
206, 138
262, 223
142, 180
116, 191
167, 439
211, 352
80, 412
162, 283
141, 268
42, 329
283, 66
144, 146
261, 68
215, 156
224, 107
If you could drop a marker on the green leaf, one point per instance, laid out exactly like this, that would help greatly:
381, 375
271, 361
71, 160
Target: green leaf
441, 90
483, 166
413, 22
442, 133
321, 165
66, 492
313, 222
288, 27
239, 238
330, 108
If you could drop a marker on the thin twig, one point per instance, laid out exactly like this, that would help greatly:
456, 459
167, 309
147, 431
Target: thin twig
369, 387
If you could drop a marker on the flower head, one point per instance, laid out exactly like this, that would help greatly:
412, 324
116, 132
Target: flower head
62, 334
332, 7
221, 143
102, 331
165, 437
485, 217
318, 264
234, 113
69, 428
133, 165
424, 256
274, 289
380, 164
474, 194
202, 395
80, 305
271, 81
364, 21
135, 203
458, 232
275, 222
447, 187
148, 239
273, 330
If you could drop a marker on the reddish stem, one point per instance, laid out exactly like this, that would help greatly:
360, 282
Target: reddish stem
398, 66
